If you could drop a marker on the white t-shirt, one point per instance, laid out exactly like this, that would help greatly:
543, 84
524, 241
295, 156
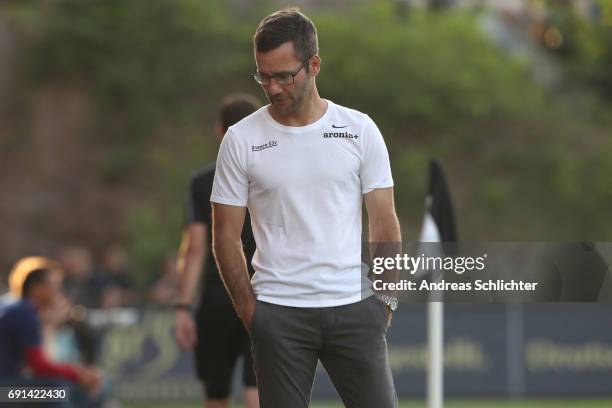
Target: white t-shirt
303, 187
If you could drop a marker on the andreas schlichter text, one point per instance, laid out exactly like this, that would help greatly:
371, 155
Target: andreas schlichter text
478, 285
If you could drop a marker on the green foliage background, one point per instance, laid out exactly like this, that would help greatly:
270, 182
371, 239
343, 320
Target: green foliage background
524, 162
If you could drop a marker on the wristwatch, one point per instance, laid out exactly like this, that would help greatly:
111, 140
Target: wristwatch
390, 301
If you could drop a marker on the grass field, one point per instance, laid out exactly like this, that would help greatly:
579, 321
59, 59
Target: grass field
480, 403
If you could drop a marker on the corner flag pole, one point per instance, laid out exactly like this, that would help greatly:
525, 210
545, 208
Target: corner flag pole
438, 226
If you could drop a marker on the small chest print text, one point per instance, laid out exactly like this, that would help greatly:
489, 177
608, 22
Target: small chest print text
271, 143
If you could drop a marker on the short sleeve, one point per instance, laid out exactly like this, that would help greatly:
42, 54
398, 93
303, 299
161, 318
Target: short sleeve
197, 203
375, 170
231, 185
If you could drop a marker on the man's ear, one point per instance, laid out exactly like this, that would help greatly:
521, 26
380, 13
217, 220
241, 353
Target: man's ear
314, 65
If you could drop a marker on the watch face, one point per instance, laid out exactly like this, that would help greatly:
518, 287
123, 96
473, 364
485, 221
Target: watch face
389, 301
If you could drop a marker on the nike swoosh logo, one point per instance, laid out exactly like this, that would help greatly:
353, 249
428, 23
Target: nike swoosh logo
340, 127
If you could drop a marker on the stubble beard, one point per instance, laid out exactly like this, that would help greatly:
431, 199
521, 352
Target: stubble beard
296, 101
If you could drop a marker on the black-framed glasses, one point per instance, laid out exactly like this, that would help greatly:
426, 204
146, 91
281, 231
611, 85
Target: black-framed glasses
282, 78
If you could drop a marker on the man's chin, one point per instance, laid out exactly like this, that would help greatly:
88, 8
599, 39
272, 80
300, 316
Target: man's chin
283, 110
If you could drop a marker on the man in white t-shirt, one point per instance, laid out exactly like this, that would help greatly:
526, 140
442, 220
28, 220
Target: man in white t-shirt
303, 166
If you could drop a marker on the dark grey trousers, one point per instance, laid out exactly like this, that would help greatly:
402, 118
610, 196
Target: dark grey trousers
349, 340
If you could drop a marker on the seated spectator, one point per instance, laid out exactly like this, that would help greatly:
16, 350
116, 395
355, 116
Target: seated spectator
59, 338
18, 275
37, 282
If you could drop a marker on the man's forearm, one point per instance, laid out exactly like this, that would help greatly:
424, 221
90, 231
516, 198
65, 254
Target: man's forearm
189, 277
192, 253
386, 242
234, 273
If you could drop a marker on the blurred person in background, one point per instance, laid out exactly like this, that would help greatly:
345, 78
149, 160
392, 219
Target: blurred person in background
82, 284
58, 336
219, 337
68, 337
36, 283
115, 276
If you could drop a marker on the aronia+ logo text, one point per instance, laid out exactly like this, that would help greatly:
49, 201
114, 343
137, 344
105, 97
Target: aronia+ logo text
340, 135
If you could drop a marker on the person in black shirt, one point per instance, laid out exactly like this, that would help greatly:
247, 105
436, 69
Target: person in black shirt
218, 337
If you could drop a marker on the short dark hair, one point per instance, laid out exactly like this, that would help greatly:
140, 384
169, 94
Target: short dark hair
287, 25
36, 277
236, 107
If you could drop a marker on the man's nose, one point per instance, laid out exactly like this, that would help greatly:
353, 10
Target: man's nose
274, 88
